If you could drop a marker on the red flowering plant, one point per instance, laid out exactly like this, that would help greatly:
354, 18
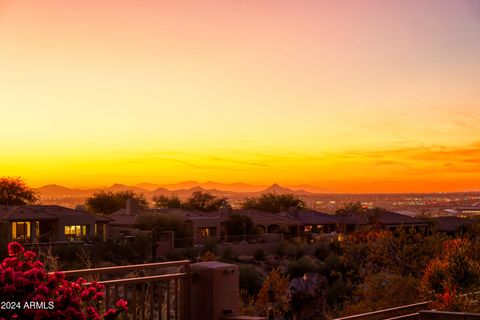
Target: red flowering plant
28, 292
451, 280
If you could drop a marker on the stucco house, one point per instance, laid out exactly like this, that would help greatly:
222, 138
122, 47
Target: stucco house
51, 223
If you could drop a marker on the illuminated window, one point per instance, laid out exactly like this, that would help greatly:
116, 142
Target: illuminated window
21, 230
75, 232
307, 228
37, 229
207, 232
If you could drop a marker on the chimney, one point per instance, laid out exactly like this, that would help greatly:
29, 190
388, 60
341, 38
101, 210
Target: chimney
131, 207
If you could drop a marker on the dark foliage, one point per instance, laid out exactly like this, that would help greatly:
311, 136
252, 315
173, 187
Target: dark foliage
107, 203
203, 201
14, 192
273, 202
251, 279
163, 222
172, 202
239, 224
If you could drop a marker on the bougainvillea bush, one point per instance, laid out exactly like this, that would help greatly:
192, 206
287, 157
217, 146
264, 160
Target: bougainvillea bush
28, 292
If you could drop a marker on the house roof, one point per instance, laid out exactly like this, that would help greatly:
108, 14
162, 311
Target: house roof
306, 216
265, 218
21, 213
42, 213
357, 219
102, 219
450, 224
381, 217
394, 218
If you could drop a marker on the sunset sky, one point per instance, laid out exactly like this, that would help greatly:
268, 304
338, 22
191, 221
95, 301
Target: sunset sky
350, 96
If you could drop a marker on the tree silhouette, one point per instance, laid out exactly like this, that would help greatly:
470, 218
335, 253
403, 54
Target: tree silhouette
107, 203
171, 202
203, 201
273, 202
14, 192
350, 208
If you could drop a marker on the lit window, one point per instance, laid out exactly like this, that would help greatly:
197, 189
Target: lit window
307, 228
75, 232
207, 232
21, 230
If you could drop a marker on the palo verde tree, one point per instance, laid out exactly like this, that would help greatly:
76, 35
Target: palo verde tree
350, 208
273, 202
172, 202
203, 201
107, 203
15, 192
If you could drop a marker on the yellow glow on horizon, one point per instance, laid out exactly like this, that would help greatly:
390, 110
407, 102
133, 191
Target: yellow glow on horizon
352, 98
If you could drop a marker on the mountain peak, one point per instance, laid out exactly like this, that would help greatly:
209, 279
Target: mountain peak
278, 189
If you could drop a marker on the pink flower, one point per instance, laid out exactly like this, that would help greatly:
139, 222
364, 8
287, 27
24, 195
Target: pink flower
10, 262
110, 314
14, 249
92, 313
35, 274
42, 314
23, 279
122, 304
42, 290
85, 295
59, 276
98, 296
21, 282
9, 289
29, 255
73, 313
7, 275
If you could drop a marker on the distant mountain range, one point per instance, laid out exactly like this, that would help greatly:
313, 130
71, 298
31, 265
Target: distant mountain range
182, 189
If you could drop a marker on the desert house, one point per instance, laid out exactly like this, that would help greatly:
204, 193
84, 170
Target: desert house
51, 223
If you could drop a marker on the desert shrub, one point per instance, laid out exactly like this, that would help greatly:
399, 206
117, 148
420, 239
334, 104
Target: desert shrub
454, 272
383, 290
273, 294
339, 291
210, 244
298, 268
247, 303
291, 250
322, 250
228, 255
250, 279
208, 256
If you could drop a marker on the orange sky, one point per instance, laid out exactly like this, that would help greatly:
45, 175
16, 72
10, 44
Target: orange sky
357, 96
